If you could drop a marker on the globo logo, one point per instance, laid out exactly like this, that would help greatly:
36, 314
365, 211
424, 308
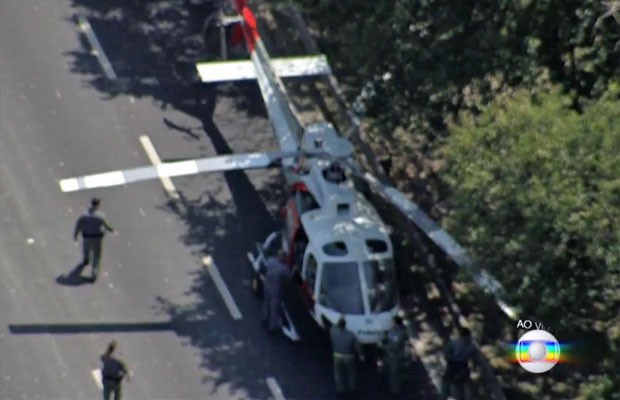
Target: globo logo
537, 351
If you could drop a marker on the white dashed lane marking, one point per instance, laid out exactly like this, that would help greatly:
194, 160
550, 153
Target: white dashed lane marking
221, 287
96, 374
275, 389
97, 50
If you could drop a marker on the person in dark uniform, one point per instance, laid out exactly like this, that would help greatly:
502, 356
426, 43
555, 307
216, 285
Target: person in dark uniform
113, 371
346, 348
277, 274
92, 225
395, 343
458, 354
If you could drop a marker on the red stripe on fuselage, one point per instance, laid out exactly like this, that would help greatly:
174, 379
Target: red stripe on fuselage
250, 31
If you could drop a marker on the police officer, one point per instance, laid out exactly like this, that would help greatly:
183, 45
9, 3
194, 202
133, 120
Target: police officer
113, 371
345, 350
91, 225
277, 274
394, 345
458, 354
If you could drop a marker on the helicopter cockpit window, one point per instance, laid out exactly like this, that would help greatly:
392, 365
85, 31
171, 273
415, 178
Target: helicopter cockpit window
341, 289
376, 246
381, 284
335, 249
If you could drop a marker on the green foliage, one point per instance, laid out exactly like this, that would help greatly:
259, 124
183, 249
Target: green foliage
533, 178
601, 387
536, 199
418, 62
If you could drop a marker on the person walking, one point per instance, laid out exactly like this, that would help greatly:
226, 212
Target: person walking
277, 274
395, 344
458, 354
346, 349
113, 371
92, 225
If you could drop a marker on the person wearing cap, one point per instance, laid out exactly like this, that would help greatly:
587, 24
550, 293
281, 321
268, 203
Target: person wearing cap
395, 343
276, 274
92, 225
113, 370
346, 349
458, 353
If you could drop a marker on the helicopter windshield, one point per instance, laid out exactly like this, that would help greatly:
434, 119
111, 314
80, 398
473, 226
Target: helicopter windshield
381, 284
341, 289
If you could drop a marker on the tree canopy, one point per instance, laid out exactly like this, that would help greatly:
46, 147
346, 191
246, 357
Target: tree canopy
536, 198
414, 63
519, 100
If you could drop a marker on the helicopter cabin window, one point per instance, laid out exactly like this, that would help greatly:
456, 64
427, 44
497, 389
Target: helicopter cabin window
342, 208
310, 272
376, 246
305, 201
335, 249
381, 283
341, 289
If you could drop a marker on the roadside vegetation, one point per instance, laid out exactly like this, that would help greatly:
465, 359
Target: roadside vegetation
501, 118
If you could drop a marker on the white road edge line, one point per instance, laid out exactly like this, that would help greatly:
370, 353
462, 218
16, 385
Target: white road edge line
97, 49
221, 286
155, 160
96, 374
275, 388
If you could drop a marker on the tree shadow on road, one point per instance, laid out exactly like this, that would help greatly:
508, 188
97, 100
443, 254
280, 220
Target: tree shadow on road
152, 46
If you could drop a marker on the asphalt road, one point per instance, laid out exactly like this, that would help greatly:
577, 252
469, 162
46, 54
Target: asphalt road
61, 117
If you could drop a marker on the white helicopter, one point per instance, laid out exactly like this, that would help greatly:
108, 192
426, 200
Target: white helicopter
331, 231
338, 239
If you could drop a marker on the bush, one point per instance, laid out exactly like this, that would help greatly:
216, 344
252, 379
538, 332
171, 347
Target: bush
536, 200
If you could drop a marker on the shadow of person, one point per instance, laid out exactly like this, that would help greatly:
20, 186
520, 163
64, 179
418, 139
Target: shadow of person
74, 277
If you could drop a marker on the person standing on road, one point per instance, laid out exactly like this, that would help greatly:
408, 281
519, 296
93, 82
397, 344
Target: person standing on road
91, 225
346, 349
395, 343
458, 354
113, 371
277, 274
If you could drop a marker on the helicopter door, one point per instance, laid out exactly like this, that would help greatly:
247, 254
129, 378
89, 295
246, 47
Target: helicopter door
291, 222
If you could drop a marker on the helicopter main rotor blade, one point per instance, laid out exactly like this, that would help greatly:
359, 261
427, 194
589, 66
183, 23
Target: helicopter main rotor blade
172, 169
439, 236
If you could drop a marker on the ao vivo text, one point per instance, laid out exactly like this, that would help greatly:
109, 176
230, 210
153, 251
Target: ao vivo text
527, 324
